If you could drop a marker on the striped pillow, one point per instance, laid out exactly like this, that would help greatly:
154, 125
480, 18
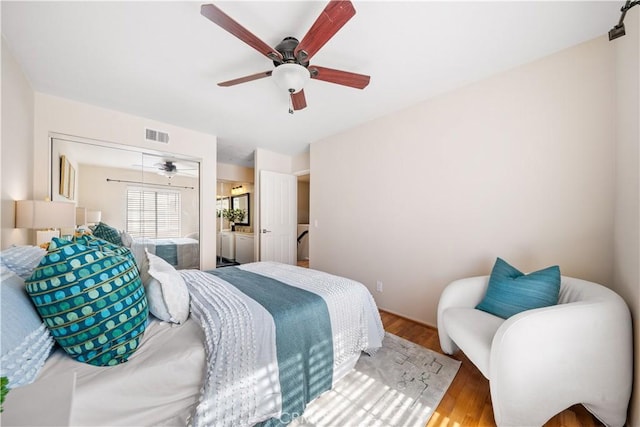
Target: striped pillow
93, 302
22, 260
25, 342
511, 291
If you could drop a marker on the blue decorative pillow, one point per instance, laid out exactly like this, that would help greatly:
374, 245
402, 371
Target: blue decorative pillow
511, 291
103, 245
107, 233
93, 302
25, 342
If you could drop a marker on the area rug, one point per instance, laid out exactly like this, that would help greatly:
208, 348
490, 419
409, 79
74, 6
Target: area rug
401, 385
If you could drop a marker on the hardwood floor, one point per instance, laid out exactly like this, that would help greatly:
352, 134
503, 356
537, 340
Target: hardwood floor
467, 403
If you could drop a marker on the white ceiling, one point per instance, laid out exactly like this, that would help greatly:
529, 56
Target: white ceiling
162, 60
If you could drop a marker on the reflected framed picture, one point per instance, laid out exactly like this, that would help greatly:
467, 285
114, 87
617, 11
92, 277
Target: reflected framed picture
64, 176
72, 182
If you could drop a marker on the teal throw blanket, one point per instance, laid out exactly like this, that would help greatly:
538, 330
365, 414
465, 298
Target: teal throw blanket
303, 338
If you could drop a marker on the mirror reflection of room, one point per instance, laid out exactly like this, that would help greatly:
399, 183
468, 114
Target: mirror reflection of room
139, 200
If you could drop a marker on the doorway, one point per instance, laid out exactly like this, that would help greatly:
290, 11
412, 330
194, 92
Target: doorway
234, 230
303, 234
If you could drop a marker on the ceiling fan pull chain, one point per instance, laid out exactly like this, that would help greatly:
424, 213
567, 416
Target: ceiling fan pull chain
290, 101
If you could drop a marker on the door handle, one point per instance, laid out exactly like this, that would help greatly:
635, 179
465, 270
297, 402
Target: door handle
264, 230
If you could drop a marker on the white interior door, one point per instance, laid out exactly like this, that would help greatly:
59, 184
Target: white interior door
278, 217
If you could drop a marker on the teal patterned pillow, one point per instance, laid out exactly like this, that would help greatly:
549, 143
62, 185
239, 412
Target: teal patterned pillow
107, 233
93, 302
103, 245
511, 291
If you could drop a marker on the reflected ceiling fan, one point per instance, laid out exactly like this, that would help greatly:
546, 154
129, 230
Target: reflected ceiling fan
168, 168
291, 57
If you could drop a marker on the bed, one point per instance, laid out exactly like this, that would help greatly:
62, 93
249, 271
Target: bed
180, 252
261, 341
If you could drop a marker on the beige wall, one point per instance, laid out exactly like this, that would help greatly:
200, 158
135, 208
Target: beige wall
53, 114
300, 163
241, 174
519, 165
626, 272
303, 202
16, 176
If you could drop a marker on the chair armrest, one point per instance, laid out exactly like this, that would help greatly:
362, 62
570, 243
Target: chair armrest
466, 292
578, 352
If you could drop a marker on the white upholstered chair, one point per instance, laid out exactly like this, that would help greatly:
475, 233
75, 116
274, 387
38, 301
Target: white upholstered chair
539, 362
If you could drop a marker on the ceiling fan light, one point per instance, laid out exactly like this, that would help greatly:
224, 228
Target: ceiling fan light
168, 173
291, 77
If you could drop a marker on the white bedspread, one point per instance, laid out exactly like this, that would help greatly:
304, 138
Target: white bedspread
162, 383
241, 385
225, 400
187, 250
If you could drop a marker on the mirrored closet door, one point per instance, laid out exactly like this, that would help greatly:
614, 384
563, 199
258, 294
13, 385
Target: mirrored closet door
151, 199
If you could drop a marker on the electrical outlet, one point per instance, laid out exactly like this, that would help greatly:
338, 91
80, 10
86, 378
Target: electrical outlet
379, 285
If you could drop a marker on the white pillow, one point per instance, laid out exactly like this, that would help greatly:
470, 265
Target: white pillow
157, 306
126, 238
175, 296
195, 235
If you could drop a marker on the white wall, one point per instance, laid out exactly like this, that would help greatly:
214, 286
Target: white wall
53, 114
519, 166
16, 155
626, 272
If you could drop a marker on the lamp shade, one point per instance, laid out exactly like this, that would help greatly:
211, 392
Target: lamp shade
81, 216
291, 77
94, 217
44, 214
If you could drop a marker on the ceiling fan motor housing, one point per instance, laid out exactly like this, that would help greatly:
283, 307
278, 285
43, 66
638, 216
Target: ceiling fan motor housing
287, 49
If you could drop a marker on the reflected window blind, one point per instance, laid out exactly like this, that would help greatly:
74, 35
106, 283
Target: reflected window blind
153, 213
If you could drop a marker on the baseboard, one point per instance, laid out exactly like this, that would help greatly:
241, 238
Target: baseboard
419, 322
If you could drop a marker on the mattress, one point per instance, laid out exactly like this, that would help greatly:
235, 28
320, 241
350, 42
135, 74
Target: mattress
165, 381
158, 385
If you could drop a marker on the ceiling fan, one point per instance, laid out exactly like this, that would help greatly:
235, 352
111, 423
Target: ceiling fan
291, 57
168, 168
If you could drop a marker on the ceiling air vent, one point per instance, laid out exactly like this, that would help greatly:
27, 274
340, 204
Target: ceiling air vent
156, 136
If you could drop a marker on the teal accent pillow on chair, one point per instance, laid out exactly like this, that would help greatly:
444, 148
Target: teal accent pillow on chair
511, 291
93, 302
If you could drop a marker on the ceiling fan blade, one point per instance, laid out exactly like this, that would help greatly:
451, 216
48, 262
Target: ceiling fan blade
217, 16
298, 100
245, 79
345, 78
332, 18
